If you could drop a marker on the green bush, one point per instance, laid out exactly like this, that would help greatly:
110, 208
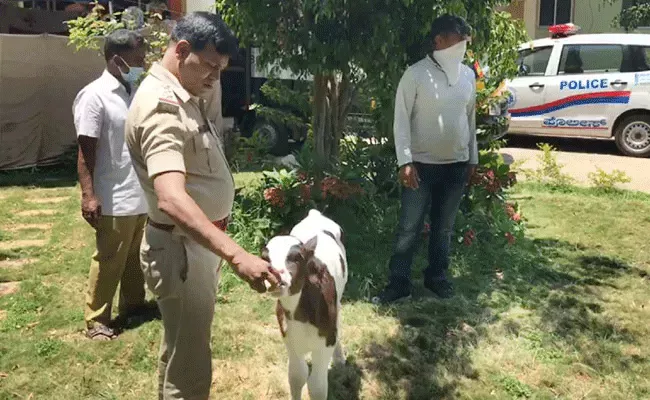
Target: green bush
284, 197
362, 187
607, 182
549, 172
86, 32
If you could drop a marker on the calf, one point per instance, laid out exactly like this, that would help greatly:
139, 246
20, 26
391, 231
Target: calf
315, 274
313, 224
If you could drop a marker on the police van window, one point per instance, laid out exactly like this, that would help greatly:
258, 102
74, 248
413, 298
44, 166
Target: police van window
533, 62
590, 59
644, 63
637, 59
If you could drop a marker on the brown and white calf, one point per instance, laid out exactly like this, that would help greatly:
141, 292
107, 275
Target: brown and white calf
308, 308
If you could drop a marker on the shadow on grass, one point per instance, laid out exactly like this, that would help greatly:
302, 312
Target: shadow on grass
570, 145
52, 176
432, 351
149, 312
344, 381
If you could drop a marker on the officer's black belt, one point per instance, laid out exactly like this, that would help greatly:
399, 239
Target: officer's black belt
162, 227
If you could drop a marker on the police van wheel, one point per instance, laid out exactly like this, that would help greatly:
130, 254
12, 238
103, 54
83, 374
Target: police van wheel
275, 136
633, 136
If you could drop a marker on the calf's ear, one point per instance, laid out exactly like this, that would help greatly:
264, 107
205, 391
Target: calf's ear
309, 248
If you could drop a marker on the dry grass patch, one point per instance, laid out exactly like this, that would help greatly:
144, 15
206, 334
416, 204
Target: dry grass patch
36, 213
16, 263
29, 227
7, 288
248, 379
47, 200
19, 244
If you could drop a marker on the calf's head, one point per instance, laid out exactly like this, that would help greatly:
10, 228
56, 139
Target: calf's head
290, 257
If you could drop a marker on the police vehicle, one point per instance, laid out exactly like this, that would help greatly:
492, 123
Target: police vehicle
593, 86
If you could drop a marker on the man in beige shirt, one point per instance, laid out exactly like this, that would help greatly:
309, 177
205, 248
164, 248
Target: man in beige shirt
189, 189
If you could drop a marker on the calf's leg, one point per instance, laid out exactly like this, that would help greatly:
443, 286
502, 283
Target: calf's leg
339, 356
298, 373
317, 384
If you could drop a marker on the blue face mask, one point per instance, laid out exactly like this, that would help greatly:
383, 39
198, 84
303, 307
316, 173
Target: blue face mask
133, 75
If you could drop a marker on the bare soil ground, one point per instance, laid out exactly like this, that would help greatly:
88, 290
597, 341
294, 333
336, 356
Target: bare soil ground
581, 157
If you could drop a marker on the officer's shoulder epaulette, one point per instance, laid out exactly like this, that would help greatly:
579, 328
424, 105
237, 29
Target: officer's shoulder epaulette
167, 101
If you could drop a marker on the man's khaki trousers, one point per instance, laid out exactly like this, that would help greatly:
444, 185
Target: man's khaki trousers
116, 260
183, 275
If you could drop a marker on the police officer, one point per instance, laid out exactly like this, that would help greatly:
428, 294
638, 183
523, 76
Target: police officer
189, 188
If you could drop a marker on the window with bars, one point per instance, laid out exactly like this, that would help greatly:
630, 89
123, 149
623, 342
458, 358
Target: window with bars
553, 12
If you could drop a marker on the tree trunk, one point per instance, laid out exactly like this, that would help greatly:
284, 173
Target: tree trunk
344, 101
319, 117
332, 100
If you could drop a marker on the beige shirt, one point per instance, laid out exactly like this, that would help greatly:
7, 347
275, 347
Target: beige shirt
167, 129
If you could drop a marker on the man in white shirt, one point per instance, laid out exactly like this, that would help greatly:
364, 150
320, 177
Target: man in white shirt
112, 200
435, 142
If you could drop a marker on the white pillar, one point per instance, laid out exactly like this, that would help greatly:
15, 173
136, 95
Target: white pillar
199, 5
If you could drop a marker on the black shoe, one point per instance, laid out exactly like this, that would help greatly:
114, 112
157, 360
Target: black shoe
392, 293
442, 288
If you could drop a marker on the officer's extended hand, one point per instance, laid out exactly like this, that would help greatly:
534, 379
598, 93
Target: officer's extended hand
91, 209
408, 176
255, 271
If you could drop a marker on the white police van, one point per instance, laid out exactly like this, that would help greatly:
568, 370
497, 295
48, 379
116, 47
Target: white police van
593, 86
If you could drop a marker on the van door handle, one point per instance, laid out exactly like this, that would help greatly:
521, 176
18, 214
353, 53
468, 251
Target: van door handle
618, 82
536, 86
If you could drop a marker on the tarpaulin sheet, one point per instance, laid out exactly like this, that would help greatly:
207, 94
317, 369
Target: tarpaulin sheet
33, 21
40, 75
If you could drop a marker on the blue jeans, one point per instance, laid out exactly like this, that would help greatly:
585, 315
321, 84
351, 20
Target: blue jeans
440, 193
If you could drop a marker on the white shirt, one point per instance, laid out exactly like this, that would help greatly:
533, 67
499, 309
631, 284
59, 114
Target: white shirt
99, 111
435, 122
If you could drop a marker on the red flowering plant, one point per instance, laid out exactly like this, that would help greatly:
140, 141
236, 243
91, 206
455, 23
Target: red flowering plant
486, 211
500, 223
286, 196
289, 194
491, 180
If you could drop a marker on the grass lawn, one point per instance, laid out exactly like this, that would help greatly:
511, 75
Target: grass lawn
563, 314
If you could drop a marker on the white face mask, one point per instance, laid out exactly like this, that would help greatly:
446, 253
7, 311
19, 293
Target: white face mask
450, 60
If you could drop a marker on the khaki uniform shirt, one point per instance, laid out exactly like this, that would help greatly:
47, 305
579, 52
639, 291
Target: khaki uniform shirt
167, 129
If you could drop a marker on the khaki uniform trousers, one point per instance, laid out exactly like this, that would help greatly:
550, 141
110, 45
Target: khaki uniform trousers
183, 275
116, 260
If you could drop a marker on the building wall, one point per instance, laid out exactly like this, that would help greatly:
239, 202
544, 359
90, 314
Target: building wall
199, 5
596, 17
593, 16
